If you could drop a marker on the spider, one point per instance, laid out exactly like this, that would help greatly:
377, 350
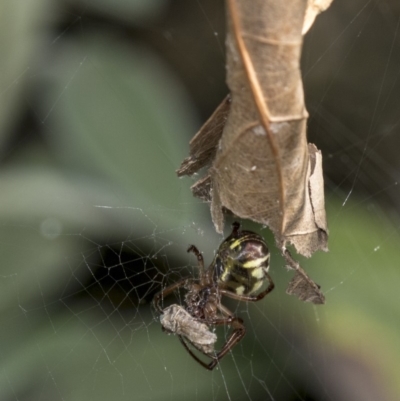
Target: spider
238, 271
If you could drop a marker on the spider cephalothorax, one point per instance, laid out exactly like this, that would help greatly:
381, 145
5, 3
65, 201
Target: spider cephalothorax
238, 271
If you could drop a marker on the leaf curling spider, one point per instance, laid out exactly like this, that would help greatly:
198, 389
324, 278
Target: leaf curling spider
238, 271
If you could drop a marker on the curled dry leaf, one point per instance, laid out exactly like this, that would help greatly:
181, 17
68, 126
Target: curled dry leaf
301, 284
314, 7
259, 164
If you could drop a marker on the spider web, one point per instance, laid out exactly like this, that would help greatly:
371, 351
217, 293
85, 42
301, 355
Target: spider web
98, 103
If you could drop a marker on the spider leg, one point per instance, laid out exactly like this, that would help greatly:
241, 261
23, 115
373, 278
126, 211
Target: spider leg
194, 356
238, 333
198, 255
165, 292
181, 283
235, 229
250, 298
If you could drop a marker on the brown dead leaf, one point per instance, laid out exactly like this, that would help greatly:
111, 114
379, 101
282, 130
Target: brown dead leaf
203, 145
254, 145
314, 7
301, 284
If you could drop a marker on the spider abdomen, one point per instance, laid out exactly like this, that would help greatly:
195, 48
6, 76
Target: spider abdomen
241, 263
